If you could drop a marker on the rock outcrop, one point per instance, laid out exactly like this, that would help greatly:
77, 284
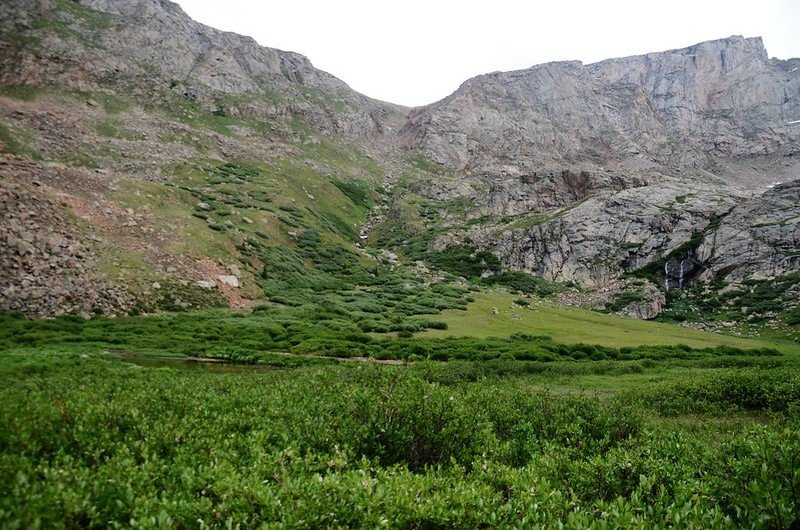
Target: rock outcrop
715, 99
759, 239
153, 47
649, 306
610, 233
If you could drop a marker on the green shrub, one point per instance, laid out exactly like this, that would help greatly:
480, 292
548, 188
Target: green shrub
87, 440
464, 261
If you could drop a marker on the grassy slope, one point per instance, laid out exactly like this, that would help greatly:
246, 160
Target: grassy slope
570, 325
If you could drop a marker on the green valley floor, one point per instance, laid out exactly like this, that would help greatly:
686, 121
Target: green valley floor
608, 424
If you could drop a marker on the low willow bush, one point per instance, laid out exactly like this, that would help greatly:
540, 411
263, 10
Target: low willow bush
89, 441
725, 390
255, 338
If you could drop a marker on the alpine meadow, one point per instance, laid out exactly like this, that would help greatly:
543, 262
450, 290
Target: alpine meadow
236, 293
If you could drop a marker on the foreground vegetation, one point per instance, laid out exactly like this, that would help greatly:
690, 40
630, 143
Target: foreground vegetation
277, 336
93, 441
97, 429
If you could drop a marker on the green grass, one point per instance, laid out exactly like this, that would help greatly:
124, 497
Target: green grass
89, 18
173, 206
246, 201
21, 92
17, 141
116, 129
342, 324
572, 325
428, 166
112, 103
526, 220
78, 159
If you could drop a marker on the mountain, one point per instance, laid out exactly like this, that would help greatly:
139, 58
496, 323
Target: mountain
713, 100
152, 46
150, 162
595, 172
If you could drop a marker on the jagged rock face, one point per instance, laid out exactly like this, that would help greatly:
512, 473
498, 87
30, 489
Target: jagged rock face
535, 191
626, 160
153, 44
759, 238
545, 191
610, 233
716, 99
613, 233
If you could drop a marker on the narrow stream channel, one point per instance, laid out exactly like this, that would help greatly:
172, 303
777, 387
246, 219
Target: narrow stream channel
189, 364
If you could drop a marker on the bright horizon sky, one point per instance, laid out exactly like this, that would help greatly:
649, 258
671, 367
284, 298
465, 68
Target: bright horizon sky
417, 52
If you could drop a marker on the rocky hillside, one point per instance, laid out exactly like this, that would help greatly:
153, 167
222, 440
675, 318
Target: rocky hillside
153, 49
716, 99
665, 163
150, 162
156, 153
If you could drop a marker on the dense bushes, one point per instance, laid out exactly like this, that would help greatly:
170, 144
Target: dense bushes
326, 330
464, 261
338, 288
522, 282
357, 192
87, 442
721, 391
411, 422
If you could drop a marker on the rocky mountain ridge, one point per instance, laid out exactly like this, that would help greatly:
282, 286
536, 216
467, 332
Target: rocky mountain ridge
141, 125
153, 45
722, 98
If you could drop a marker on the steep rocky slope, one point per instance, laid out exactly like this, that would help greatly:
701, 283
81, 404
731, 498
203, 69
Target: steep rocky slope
653, 163
759, 238
154, 49
155, 148
715, 99
178, 166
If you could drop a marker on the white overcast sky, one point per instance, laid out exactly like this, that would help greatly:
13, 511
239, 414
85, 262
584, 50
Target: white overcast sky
415, 52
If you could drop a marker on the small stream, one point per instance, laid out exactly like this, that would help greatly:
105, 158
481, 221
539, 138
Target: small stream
189, 363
